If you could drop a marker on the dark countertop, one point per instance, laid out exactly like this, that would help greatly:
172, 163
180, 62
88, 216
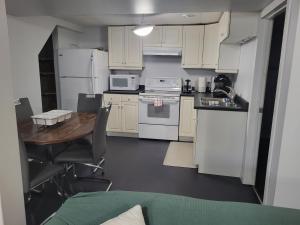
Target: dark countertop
242, 104
136, 92
192, 94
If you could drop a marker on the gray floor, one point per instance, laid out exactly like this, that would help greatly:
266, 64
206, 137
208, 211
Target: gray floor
137, 165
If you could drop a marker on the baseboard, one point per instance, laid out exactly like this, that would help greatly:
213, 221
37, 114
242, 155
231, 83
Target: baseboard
122, 134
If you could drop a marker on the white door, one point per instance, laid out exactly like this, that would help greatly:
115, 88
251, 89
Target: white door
133, 49
116, 46
193, 37
69, 90
187, 114
130, 117
75, 62
154, 39
114, 123
211, 46
172, 36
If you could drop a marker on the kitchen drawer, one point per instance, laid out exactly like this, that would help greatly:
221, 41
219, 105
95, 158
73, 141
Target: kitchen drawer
113, 98
130, 98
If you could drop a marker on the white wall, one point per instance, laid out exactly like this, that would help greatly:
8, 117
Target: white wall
66, 38
244, 80
27, 38
10, 170
287, 192
93, 37
90, 37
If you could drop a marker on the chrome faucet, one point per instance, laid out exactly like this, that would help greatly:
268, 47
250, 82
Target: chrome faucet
231, 94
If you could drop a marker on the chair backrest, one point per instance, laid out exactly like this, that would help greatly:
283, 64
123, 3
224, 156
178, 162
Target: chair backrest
89, 103
23, 110
24, 166
99, 135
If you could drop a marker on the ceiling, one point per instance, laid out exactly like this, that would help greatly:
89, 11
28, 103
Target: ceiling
119, 12
157, 19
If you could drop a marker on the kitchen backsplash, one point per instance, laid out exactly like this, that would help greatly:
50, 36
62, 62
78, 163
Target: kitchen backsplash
166, 66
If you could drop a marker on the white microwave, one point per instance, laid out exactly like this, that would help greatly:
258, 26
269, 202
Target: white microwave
124, 82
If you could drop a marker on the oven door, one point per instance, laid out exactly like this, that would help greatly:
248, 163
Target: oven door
167, 114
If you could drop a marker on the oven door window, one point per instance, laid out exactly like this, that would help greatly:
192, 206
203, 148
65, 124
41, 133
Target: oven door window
120, 82
158, 112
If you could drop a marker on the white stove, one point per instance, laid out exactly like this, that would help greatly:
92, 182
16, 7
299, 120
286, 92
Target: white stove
159, 108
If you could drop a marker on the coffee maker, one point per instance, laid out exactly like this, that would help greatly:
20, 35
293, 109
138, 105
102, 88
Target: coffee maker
187, 87
221, 82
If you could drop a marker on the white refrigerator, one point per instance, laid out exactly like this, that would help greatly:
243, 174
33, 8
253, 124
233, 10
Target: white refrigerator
81, 71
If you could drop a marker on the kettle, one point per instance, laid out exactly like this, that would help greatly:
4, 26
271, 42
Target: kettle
187, 88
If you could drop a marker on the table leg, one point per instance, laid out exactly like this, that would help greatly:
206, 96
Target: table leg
50, 152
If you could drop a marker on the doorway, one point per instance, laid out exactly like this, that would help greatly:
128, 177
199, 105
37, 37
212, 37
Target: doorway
47, 76
268, 105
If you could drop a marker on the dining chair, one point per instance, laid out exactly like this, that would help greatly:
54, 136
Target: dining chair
23, 113
90, 155
45, 174
89, 103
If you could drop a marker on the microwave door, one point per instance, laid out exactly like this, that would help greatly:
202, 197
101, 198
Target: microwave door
118, 83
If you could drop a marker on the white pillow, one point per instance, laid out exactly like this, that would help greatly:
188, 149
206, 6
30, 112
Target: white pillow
133, 216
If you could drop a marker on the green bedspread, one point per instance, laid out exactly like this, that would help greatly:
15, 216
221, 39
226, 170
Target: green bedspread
164, 209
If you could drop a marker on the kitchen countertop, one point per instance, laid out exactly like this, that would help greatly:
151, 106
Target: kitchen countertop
242, 104
126, 92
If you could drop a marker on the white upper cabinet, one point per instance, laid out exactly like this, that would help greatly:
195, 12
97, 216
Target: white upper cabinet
154, 39
192, 50
242, 28
229, 58
133, 49
125, 48
164, 36
116, 45
211, 46
172, 36
224, 24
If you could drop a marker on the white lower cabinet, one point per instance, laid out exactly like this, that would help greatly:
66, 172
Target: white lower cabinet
220, 140
187, 121
124, 113
130, 115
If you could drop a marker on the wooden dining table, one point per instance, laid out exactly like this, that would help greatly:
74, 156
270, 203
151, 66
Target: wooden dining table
78, 126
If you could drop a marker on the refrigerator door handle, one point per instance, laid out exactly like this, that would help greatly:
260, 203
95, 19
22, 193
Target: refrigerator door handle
92, 74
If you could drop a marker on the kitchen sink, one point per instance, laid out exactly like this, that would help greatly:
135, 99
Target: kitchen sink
218, 102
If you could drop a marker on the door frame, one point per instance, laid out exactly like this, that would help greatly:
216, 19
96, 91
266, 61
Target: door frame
287, 53
257, 99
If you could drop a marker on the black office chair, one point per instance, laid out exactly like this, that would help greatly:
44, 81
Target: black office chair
23, 114
89, 103
46, 174
23, 110
91, 155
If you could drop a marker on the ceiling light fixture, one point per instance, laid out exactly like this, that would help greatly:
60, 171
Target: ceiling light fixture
143, 30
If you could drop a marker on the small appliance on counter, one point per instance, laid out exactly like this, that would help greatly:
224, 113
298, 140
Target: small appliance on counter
187, 87
124, 82
219, 85
201, 84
